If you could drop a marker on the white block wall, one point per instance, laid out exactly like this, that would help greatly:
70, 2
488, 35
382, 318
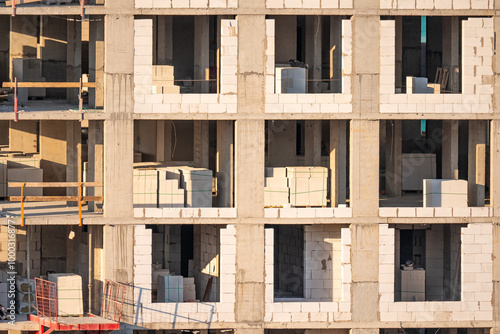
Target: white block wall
436, 4
147, 312
186, 3
147, 102
476, 278
309, 4
310, 309
309, 103
476, 97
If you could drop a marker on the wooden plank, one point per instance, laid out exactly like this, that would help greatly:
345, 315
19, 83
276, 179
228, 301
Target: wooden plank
20, 2
56, 198
48, 84
53, 184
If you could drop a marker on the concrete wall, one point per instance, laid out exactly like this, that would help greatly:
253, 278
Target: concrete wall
186, 4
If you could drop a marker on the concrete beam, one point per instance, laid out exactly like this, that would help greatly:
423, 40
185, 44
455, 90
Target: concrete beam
338, 162
477, 162
450, 149
225, 163
313, 143
364, 168
393, 158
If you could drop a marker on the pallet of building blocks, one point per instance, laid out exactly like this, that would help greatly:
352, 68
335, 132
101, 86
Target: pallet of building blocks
145, 188
445, 193
69, 293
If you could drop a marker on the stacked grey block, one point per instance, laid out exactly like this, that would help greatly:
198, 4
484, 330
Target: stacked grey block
197, 183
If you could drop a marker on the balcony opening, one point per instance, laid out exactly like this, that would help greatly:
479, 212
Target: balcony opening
421, 164
42, 152
183, 164
52, 55
185, 263
49, 252
428, 55
308, 54
186, 54
306, 163
308, 263
427, 262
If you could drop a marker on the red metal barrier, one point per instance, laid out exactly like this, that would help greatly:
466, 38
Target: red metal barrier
113, 298
46, 299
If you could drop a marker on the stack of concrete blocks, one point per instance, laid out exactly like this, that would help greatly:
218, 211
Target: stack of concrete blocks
183, 312
308, 185
197, 184
276, 190
156, 275
291, 80
412, 285
25, 296
24, 175
310, 309
28, 70
445, 193
309, 4
415, 168
436, 4
417, 85
209, 256
476, 275
69, 294
163, 80
170, 194
186, 4
13, 161
308, 103
145, 187
189, 289
477, 56
170, 289
149, 100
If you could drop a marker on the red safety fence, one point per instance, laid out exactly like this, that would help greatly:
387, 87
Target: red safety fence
113, 298
46, 299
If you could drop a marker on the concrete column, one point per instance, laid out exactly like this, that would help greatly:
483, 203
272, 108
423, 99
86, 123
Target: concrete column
364, 167
23, 38
95, 171
225, 163
450, 149
399, 51
338, 162
53, 154
160, 140
119, 127
364, 271
201, 53
393, 158
366, 61
96, 62
201, 144
451, 51
73, 56
313, 52
73, 156
164, 41
249, 166
313, 143
477, 162
336, 54
23, 136
494, 175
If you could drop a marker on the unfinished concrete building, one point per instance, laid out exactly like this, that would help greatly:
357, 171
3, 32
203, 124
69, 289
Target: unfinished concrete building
250, 166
